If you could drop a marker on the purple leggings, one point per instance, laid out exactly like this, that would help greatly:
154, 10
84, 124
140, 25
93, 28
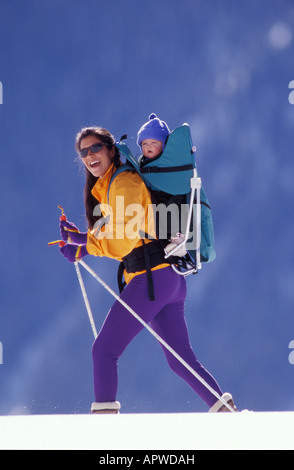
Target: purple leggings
166, 317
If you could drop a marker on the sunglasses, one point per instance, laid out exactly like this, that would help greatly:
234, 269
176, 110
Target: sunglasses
95, 148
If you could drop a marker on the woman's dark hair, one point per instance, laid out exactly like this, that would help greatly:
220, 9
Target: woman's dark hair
107, 138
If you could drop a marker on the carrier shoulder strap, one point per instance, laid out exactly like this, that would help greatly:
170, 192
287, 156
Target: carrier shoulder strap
124, 167
144, 250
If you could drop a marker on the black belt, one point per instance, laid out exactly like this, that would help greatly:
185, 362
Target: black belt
144, 257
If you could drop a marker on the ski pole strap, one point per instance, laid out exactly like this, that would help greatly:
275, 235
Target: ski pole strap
73, 230
78, 253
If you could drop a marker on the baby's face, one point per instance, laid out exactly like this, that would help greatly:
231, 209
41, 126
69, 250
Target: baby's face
151, 148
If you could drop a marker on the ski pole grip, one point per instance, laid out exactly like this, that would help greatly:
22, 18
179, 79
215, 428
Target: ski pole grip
61, 243
63, 216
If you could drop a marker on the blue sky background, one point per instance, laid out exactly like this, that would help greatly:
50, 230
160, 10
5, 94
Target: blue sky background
222, 66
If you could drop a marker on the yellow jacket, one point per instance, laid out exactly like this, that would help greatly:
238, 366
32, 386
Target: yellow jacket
128, 213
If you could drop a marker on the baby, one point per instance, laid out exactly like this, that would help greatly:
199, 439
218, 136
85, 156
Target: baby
152, 138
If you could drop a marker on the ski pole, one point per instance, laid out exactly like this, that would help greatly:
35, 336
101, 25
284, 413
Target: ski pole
83, 289
88, 308
166, 345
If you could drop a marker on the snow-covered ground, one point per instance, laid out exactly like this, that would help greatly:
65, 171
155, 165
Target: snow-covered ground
176, 431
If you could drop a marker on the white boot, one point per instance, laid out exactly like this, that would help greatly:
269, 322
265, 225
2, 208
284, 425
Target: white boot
105, 407
219, 407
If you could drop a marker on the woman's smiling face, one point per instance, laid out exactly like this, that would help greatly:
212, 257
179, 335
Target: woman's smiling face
99, 159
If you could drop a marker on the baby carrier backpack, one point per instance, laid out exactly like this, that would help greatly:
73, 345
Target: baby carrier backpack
175, 173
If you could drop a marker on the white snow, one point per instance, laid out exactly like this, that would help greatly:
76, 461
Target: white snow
177, 431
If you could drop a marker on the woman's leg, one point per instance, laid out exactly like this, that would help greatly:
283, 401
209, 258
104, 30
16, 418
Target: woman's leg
166, 316
170, 324
120, 327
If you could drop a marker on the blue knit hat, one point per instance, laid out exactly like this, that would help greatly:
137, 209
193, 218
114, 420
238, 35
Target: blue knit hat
153, 129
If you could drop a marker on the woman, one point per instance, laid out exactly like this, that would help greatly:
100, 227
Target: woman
112, 233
